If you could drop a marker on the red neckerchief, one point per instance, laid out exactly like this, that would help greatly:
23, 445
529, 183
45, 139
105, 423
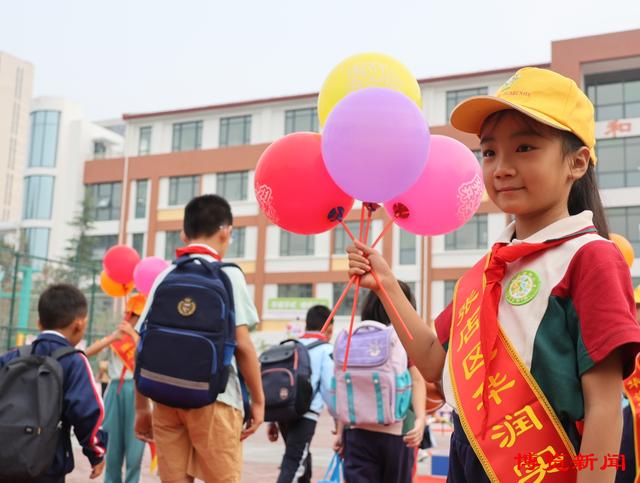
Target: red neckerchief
501, 254
314, 335
197, 249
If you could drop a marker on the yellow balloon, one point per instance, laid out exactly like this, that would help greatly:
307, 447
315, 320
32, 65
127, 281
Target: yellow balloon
361, 71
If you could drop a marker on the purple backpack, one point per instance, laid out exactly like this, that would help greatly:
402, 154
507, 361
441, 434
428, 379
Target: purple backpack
376, 387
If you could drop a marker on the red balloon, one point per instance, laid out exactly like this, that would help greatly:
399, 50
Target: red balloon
294, 188
119, 263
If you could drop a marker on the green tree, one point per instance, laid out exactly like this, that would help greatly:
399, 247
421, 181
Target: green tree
80, 245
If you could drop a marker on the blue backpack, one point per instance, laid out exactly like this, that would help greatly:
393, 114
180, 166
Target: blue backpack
188, 338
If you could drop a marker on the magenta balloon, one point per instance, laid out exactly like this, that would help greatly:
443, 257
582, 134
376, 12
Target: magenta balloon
375, 144
447, 193
146, 272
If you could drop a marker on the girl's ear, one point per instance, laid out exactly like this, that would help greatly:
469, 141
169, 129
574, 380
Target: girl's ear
579, 163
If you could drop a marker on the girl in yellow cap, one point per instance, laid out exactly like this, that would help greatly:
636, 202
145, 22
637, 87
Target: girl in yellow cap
532, 350
122, 445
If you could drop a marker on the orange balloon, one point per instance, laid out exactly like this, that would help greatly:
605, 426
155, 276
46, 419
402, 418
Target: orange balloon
435, 399
113, 288
624, 246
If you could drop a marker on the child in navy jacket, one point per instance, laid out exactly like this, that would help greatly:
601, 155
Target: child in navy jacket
62, 311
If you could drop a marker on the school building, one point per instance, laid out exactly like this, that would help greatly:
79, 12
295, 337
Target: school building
170, 156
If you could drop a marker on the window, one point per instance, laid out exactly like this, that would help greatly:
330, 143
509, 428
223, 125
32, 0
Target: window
341, 240
236, 248
620, 165
455, 97
141, 198
100, 245
235, 130
449, 286
232, 186
105, 199
471, 236
171, 242
38, 197
36, 241
187, 136
301, 120
137, 243
407, 248
292, 244
99, 150
182, 189
615, 95
347, 303
626, 222
295, 290
144, 141
44, 138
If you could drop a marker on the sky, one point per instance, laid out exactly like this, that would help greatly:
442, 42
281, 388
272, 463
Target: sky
129, 56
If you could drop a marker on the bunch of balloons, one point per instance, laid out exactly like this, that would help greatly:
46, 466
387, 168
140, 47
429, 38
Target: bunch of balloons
123, 270
376, 147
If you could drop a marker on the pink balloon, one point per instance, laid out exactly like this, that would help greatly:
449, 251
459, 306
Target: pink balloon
119, 263
447, 193
146, 272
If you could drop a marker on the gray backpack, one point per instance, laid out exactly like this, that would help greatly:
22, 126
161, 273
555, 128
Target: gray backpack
31, 394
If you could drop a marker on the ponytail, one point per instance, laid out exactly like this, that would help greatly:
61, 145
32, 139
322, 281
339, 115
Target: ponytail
584, 194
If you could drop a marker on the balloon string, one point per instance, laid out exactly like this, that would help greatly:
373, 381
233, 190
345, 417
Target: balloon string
353, 316
338, 303
390, 302
366, 232
386, 229
346, 228
361, 222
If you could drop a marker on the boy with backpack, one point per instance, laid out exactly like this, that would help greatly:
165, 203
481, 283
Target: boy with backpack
45, 389
298, 432
197, 317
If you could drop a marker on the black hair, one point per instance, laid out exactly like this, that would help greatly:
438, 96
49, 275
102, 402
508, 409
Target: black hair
316, 317
373, 309
204, 215
584, 193
59, 305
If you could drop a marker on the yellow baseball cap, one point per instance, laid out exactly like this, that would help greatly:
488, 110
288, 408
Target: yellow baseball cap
541, 94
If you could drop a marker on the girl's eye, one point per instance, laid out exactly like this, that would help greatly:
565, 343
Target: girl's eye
488, 153
524, 148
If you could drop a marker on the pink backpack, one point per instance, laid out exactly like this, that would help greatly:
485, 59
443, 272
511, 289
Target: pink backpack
376, 387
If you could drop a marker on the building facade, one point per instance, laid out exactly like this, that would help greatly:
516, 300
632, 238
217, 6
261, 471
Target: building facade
16, 87
170, 156
60, 142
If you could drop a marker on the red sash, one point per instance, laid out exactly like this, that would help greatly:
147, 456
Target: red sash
125, 349
632, 391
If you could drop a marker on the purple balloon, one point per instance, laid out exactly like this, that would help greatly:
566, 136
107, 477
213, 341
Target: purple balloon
375, 144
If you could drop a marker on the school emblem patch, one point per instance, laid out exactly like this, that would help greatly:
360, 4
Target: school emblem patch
284, 393
523, 287
186, 307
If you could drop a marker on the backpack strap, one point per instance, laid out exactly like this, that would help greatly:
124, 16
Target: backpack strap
25, 350
315, 343
64, 351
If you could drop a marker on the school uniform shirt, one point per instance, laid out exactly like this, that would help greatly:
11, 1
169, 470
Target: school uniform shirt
245, 310
580, 310
321, 374
82, 406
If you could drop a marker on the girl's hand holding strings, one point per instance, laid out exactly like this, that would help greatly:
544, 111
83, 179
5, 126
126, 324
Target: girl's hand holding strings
362, 259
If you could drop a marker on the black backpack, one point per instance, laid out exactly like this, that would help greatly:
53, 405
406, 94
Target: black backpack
31, 395
286, 380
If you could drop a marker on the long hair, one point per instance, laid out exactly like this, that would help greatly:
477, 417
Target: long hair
584, 193
374, 310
